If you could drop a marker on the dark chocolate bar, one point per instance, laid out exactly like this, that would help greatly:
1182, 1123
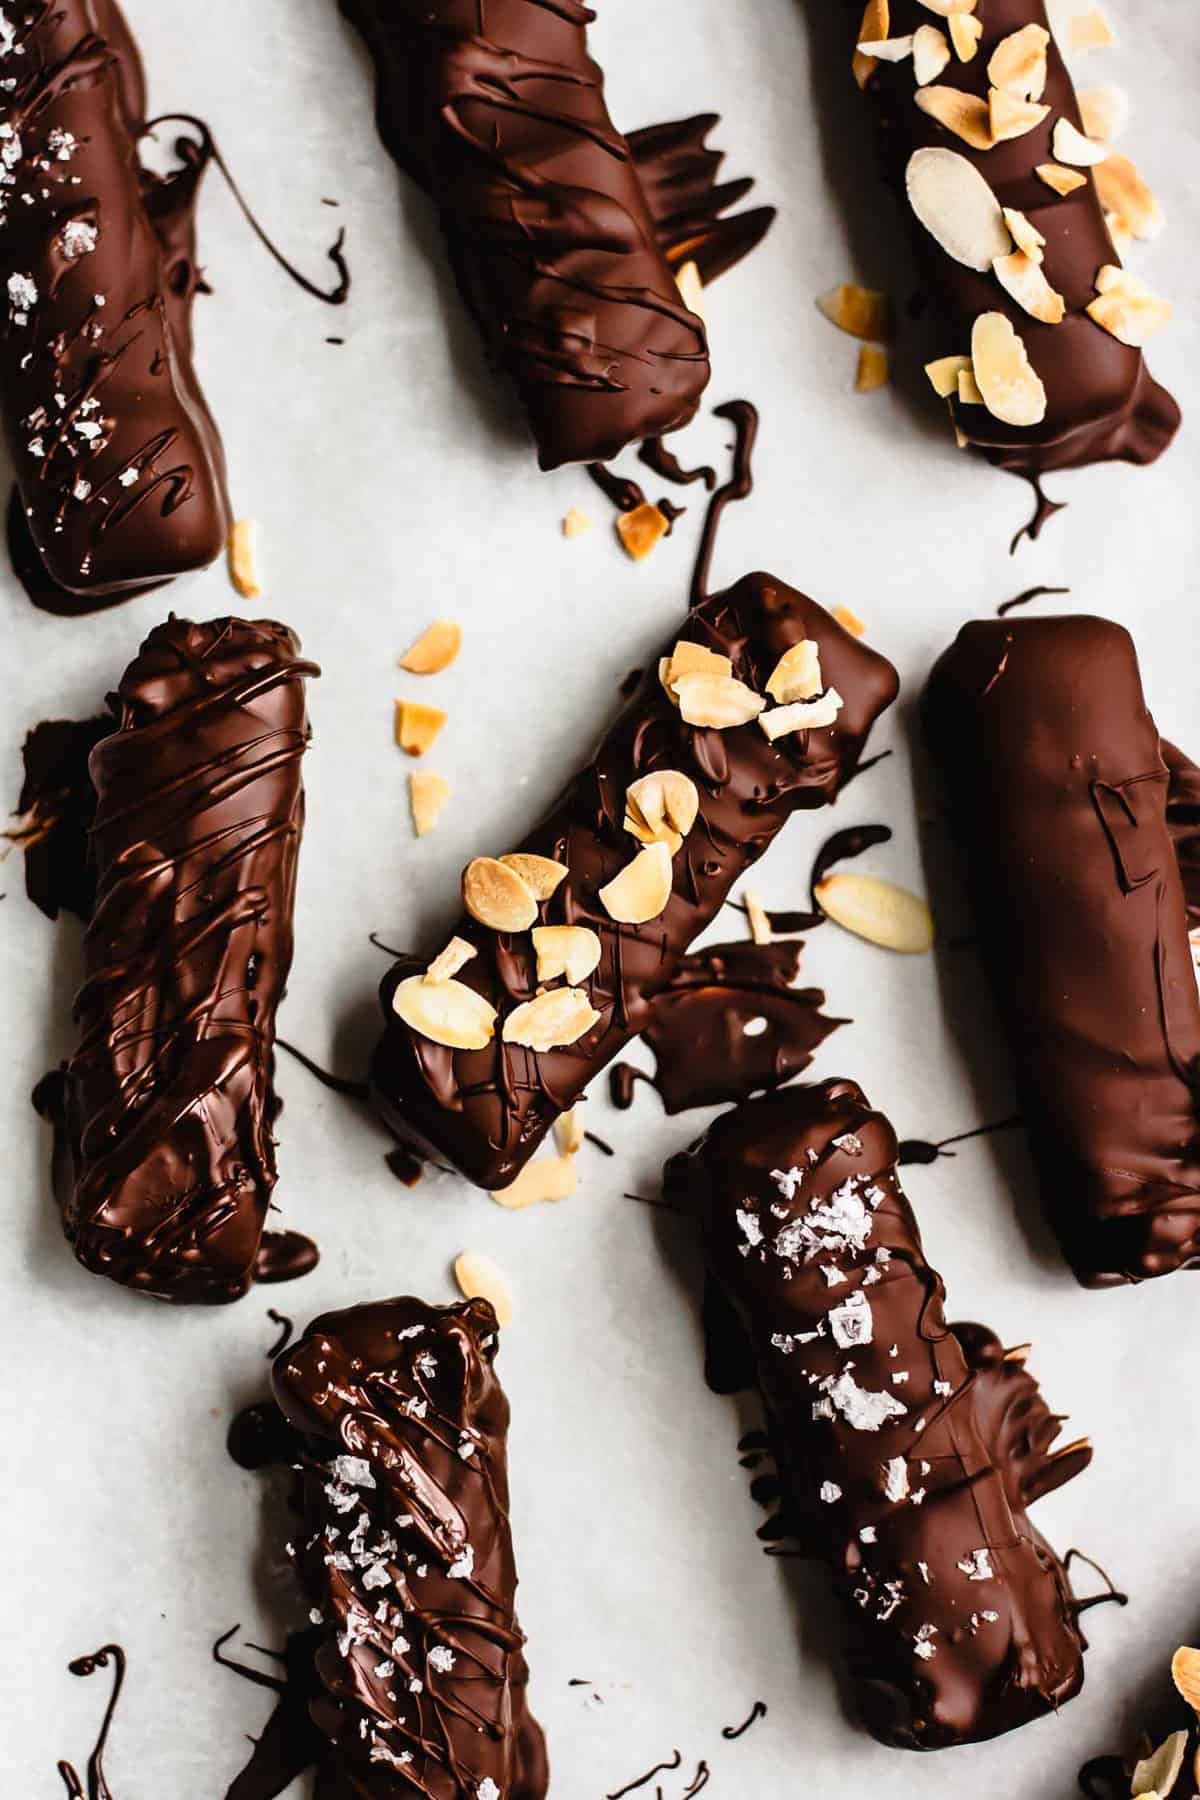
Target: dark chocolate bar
165, 1157
120, 471
503, 120
1057, 796
908, 1449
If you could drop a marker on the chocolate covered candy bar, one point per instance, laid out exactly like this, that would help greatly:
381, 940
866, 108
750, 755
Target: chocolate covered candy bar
551, 241
984, 141
758, 710
907, 1453
1057, 795
165, 1159
120, 471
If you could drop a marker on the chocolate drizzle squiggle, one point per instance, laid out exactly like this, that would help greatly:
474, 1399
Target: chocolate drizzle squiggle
97, 1782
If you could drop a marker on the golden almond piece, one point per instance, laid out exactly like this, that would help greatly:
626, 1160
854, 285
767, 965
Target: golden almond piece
569, 1132
427, 796
1011, 387
1126, 308
797, 674
496, 896
1026, 235
931, 53
957, 207
966, 115
1024, 280
965, 33
968, 388
893, 50
479, 1278
1122, 191
434, 650
240, 546
541, 874
641, 529
576, 523
1119, 232
1090, 30
860, 312
1017, 65
446, 1012
691, 659
849, 621
545, 1178
1011, 118
1103, 110
1070, 146
719, 702
551, 1021
1185, 1673
877, 910
457, 954
757, 918
946, 9
661, 808
642, 889
802, 715
570, 950
944, 373
871, 373
417, 726
1063, 181
862, 67
691, 289
875, 23
1158, 1773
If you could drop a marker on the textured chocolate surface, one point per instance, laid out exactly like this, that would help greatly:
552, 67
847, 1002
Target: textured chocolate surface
1102, 403
1183, 823
500, 115
166, 1159
1057, 795
120, 471
486, 1111
907, 1453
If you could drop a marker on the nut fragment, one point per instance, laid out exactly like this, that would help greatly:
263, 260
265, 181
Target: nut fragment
878, 911
545, 1178
871, 373
965, 33
946, 8
887, 49
1011, 387
417, 726
570, 950
434, 650
446, 1012
849, 621
1090, 30
576, 523
642, 889
1011, 118
1022, 277
944, 372
496, 895
1123, 191
1158, 1773
691, 659
661, 808
427, 796
691, 289
931, 53
966, 115
797, 674
551, 1021
802, 715
1126, 308
569, 1132
1018, 63
859, 311
541, 874
957, 207
717, 701
1063, 181
242, 565
641, 529
1103, 110
875, 23
968, 388
757, 918
479, 1278
457, 954
1185, 1673
1025, 233
1070, 146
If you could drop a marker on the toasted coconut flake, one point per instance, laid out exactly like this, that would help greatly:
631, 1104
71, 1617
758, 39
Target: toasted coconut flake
849, 621
576, 523
1026, 235
1011, 118
1123, 191
878, 911
966, 115
871, 373
931, 53
661, 808
691, 289
1104, 110
945, 9
1126, 308
861, 312
965, 33
892, 50
446, 1012
1017, 65
1119, 232
1063, 181
1070, 146
541, 874
569, 1132
457, 954
957, 207
570, 950
1090, 30
1157, 1774
1185, 1673
967, 392
240, 549
479, 1278
427, 797
545, 1178
641, 529
802, 715
691, 659
944, 372
417, 726
797, 674
551, 1021
642, 889
496, 896
1020, 276
1011, 387
434, 650
717, 701
756, 915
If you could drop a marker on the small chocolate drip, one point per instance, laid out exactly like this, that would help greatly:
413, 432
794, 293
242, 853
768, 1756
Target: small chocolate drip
840, 847
732, 1732
286, 1327
285, 1256
600, 1143
1023, 599
405, 1165
622, 1082
670, 512
97, 1783
662, 1768
700, 1780
919, 1150
1112, 1595
290, 1742
744, 418
868, 763
624, 493
337, 1084
665, 464
754, 1440
1044, 510
261, 1438
1104, 1778
374, 938
57, 805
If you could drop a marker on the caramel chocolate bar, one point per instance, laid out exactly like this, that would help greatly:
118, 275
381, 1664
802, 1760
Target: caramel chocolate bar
907, 1449
1057, 794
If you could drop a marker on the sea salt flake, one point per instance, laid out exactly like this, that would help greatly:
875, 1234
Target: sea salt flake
353, 1471
895, 1480
376, 1576
943, 1387
833, 1276
441, 1659
850, 1143
463, 1565
385, 1669
127, 477
867, 1535
977, 1566
750, 1228
78, 238
830, 1491
487, 1789
787, 1181
863, 1409
850, 1322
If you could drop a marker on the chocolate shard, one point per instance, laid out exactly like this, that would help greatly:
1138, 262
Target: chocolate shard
487, 1110
1057, 795
420, 1671
120, 470
165, 1158
903, 1460
689, 205
1101, 402
547, 228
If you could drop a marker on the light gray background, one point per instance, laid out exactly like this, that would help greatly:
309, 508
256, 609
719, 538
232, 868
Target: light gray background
391, 488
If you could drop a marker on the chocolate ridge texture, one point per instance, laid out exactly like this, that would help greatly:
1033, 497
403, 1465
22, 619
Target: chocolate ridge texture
120, 470
907, 1452
1057, 797
546, 224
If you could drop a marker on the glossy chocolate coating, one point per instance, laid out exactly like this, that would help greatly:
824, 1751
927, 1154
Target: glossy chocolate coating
1183, 822
688, 204
1057, 797
960, 1617
502, 118
120, 470
407, 1553
486, 1111
1101, 402
168, 1103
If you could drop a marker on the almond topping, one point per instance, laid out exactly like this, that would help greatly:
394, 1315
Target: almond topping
966, 115
551, 1021
1103, 110
541, 874
862, 68
957, 207
434, 650
717, 701
1018, 63
546, 1178
797, 674
457, 954
888, 49
965, 33
242, 563
944, 372
570, 950
427, 796
496, 896
1185, 1673
968, 388
1126, 308
1119, 232
1090, 31
1157, 1774
641, 529
931, 53
1026, 235
661, 808
1122, 190
691, 289
1021, 277
576, 523
642, 889
802, 715
757, 918
859, 311
947, 8
417, 726
878, 911
691, 659
1011, 387
1063, 181
569, 1133
872, 371
479, 1278
875, 22
1070, 146
849, 621
446, 1012
1012, 118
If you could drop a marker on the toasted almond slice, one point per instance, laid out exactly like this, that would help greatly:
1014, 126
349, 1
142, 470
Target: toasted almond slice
849, 621
797, 674
427, 796
961, 440
878, 911
871, 372
642, 889
661, 808
434, 650
862, 68
569, 1132
1023, 278
417, 726
965, 33
1026, 235
1018, 63
545, 1178
691, 288
945, 9
1126, 308
1011, 387
1104, 110
541, 874
1119, 232
802, 715
966, 115
1063, 181
1157, 1774
641, 529
446, 1012
496, 896
944, 372
859, 311
1070, 146
968, 388
888, 49
479, 1278
876, 19
1011, 118
692, 659
1123, 191
457, 954
957, 207
551, 1021
1090, 30
931, 53
576, 523
1185, 1673
717, 701
240, 550
757, 918
570, 950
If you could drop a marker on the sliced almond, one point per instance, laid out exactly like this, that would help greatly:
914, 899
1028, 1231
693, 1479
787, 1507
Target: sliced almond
968, 388
434, 650
641, 529
1123, 191
1012, 118
457, 954
966, 115
570, 950
944, 372
1185, 1673
965, 33
1157, 1774
541, 874
1026, 235
862, 67
642, 889
1090, 30
1070, 146
892, 50
802, 715
871, 372
479, 1278
849, 621
875, 22
691, 288
691, 659
757, 918
545, 1178
551, 1021
717, 701
859, 311
427, 797
931, 53
569, 1132
1104, 110
1017, 65
1023, 278
240, 549
1126, 308
496, 896
957, 207
576, 523
446, 1012
1119, 232
661, 808
1011, 387
878, 911
417, 726
1063, 181
797, 674
945, 9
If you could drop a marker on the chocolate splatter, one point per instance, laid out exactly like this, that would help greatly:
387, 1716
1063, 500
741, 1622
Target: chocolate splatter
667, 466
97, 1784
731, 1732
290, 1742
56, 807
840, 847
661, 1768
337, 1084
599, 1143
285, 1256
1023, 599
700, 1780
286, 1327
624, 493
261, 1438
919, 1150
1043, 511
1112, 1595
405, 1165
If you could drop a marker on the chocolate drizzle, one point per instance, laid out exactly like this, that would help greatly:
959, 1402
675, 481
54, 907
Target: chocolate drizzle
1023, 599
1044, 510
56, 810
731, 1732
678, 174
97, 1782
